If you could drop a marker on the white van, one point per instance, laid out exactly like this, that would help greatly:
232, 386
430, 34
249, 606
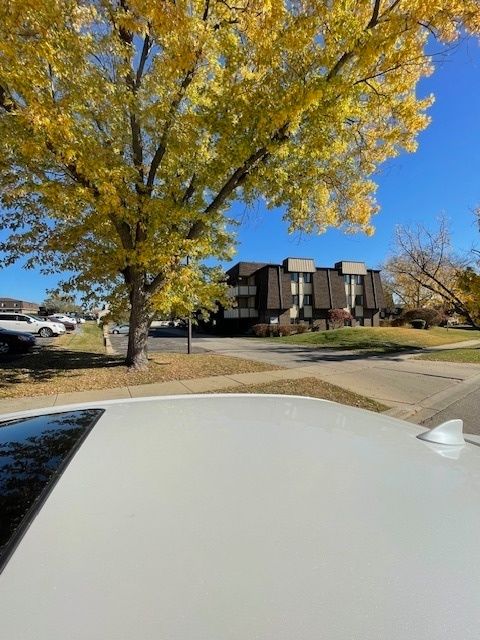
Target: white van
30, 324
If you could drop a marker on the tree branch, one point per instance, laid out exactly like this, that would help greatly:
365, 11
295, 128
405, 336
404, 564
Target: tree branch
206, 10
345, 57
155, 284
143, 59
162, 145
374, 18
137, 149
190, 190
237, 178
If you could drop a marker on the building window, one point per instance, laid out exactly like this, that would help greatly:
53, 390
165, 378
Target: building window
243, 303
294, 277
358, 279
359, 301
346, 279
307, 277
295, 300
307, 300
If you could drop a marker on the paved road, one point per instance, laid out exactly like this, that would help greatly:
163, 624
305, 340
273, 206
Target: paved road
468, 409
160, 339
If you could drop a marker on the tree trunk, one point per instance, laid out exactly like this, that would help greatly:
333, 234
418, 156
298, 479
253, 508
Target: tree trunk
137, 358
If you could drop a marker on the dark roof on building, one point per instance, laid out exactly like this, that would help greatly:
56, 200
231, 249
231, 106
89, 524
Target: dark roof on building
245, 269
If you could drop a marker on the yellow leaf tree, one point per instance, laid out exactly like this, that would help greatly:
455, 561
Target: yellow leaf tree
128, 127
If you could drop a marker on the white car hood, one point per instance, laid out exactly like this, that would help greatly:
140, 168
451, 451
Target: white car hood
251, 517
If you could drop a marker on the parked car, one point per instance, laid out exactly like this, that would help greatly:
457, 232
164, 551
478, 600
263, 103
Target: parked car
177, 323
68, 324
159, 323
15, 341
64, 318
119, 328
239, 517
31, 324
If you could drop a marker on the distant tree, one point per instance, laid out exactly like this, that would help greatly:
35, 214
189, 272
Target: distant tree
57, 303
402, 289
338, 317
424, 268
468, 282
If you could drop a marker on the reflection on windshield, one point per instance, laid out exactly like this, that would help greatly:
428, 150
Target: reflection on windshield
33, 451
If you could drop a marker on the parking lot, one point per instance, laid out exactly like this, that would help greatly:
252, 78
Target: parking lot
160, 339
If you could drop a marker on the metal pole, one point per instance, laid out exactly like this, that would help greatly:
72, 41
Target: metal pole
189, 324
189, 337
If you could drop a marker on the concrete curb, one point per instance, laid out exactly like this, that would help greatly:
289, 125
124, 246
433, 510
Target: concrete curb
107, 343
435, 403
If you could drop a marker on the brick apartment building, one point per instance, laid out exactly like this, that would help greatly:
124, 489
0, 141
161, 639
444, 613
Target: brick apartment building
12, 305
297, 291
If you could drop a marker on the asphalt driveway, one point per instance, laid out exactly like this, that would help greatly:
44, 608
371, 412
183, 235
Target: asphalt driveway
160, 339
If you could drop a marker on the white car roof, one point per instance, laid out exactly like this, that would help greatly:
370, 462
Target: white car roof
242, 517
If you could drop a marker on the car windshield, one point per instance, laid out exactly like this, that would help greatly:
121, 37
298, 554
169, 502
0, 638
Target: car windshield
33, 453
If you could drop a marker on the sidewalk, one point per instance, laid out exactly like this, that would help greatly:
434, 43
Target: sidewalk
174, 387
410, 387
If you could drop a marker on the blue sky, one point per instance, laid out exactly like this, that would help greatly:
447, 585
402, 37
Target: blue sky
442, 177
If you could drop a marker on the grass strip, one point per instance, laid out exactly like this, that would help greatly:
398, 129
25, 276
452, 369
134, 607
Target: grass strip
313, 388
380, 339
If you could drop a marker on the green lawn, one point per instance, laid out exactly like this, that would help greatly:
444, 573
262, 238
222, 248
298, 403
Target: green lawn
381, 339
87, 337
454, 355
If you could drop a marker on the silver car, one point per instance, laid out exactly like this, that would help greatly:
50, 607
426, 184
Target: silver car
120, 328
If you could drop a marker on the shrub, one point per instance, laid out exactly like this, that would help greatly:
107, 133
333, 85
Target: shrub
267, 330
385, 323
418, 324
398, 322
284, 329
301, 328
431, 317
261, 330
318, 325
338, 317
